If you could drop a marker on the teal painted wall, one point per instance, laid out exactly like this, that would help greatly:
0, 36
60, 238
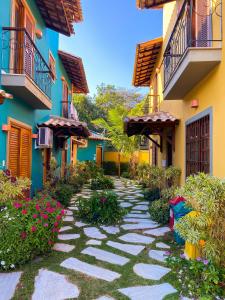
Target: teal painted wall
89, 153
18, 109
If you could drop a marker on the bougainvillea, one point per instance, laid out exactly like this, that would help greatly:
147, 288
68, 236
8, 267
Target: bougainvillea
28, 228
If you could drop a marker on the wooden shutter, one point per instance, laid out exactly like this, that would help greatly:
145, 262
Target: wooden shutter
19, 152
65, 100
14, 151
202, 8
29, 50
25, 153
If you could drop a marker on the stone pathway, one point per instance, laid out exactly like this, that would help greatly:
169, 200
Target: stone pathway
104, 250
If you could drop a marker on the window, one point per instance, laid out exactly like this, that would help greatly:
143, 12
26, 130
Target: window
65, 102
198, 146
52, 66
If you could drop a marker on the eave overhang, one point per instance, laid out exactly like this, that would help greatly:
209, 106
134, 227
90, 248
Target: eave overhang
142, 4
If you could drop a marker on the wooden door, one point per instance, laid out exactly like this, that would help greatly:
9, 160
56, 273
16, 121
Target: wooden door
99, 156
19, 151
29, 50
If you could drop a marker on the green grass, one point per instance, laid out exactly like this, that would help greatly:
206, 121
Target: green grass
92, 288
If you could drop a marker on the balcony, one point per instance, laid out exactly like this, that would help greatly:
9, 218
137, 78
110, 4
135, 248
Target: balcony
194, 47
25, 73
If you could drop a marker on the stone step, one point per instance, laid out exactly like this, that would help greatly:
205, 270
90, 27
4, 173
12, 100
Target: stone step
60, 247
106, 256
8, 284
130, 249
94, 233
158, 232
90, 270
152, 272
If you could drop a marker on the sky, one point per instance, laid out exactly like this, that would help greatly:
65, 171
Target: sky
106, 40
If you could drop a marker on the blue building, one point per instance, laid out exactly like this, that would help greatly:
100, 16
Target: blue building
92, 149
37, 123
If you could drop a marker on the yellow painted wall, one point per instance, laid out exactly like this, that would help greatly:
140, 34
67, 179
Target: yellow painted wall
210, 92
142, 156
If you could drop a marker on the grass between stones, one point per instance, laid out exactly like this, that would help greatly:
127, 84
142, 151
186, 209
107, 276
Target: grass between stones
91, 288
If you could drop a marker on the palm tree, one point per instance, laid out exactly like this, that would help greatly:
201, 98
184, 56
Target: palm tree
114, 127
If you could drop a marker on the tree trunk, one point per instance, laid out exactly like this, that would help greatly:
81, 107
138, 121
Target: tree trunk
119, 164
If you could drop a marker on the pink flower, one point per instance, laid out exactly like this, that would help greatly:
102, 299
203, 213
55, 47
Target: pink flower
46, 225
50, 242
17, 205
37, 207
103, 200
35, 216
39, 221
23, 235
33, 228
58, 205
27, 199
62, 212
24, 212
45, 216
56, 224
58, 218
13, 179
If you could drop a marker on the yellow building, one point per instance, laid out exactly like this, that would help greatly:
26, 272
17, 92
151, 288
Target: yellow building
185, 70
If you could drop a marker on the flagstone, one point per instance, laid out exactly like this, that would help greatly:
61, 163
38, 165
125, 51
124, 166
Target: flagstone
141, 207
68, 212
125, 204
80, 224
139, 226
53, 286
94, 242
111, 229
137, 220
68, 237
133, 200
73, 208
162, 245
149, 271
136, 212
106, 256
141, 216
150, 292
144, 203
128, 248
136, 238
65, 228
68, 219
60, 247
105, 298
157, 255
158, 232
90, 270
8, 284
94, 232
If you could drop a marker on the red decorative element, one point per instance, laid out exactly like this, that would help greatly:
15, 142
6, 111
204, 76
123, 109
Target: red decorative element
6, 127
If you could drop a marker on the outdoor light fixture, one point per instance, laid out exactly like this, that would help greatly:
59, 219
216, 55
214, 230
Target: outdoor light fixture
4, 95
38, 33
194, 103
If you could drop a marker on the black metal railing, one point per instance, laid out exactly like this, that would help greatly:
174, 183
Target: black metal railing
151, 104
199, 25
20, 55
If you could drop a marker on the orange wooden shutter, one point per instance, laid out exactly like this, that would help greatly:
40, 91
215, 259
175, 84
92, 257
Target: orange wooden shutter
14, 151
25, 152
203, 22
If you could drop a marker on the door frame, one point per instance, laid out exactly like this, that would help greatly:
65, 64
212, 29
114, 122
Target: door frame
99, 147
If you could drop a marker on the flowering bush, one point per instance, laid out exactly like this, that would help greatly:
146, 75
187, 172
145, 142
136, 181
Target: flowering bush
11, 187
198, 279
28, 228
102, 183
101, 208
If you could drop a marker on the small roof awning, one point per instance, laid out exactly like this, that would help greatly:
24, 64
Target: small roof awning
145, 61
98, 137
151, 3
75, 70
63, 127
59, 15
151, 124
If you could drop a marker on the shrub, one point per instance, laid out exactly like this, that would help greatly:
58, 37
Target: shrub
206, 195
168, 193
102, 183
125, 175
11, 187
152, 195
110, 168
93, 169
28, 228
198, 279
63, 193
101, 208
172, 175
124, 167
160, 211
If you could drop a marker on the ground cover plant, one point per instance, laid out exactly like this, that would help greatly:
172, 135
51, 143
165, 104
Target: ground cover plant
28, 228
102, 183
198, 278
101, 208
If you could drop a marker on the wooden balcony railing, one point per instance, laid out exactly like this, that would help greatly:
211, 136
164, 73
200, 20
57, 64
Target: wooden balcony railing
20, 55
